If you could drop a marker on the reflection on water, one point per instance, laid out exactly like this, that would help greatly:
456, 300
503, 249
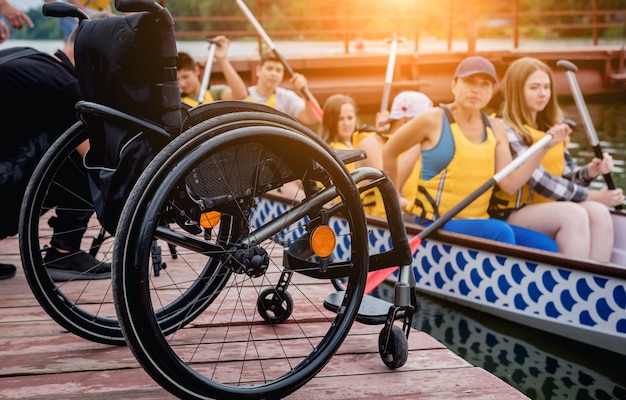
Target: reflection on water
540, 365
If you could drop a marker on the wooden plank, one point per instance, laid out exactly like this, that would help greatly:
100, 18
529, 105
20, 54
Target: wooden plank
43, 361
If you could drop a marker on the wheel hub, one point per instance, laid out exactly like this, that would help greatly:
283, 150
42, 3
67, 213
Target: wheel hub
252, 261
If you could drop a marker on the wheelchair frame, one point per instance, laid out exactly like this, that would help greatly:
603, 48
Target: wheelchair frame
222, 276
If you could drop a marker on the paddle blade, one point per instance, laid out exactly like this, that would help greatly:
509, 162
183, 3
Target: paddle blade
375, 278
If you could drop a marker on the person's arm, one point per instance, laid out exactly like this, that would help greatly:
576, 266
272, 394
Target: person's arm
599, 167
521, 175
371, 145
15, 16
407, 163
586, 174
237, 87
307, 115
608, 197
541, 181
556, 187
381, 121
582, 176
575, 173
423, 130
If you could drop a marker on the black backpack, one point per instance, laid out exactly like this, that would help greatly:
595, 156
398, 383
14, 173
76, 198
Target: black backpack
129, 64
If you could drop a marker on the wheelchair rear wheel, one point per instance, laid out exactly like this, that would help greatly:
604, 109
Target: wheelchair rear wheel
59, 191
82, 302
262, 331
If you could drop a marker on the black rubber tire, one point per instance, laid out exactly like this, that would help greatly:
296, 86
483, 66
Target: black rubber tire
274, 306
83, 307
397, 352
86, 307
275, 141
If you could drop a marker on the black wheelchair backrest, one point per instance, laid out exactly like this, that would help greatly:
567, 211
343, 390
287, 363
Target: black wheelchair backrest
129, 63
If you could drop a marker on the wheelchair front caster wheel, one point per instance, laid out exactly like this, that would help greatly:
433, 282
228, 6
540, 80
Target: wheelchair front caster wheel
394, 353
274, 306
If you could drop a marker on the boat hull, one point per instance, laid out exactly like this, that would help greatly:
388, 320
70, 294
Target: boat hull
581, 305
576, 298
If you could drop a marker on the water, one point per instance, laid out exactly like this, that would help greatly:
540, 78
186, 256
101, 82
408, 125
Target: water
541, 365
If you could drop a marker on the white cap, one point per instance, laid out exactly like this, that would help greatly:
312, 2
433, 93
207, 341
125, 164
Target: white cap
409, 104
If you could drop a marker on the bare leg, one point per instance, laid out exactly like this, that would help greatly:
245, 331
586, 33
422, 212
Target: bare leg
601, 229
566, 222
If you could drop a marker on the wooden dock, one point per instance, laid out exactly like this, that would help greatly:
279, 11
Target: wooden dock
40, 360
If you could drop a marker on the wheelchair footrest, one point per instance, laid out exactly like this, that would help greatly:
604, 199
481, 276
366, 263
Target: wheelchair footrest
373, 311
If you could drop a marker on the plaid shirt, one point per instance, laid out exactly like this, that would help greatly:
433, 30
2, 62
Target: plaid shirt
571, 186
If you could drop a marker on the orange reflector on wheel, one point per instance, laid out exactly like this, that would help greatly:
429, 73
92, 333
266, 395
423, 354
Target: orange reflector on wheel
323, 241
210, 219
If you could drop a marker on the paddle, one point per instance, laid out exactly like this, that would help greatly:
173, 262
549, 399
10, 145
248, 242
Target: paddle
570, 71
391, 67
305, 91
208, 66
375, 278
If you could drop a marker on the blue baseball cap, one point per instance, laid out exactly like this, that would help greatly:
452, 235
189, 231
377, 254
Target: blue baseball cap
475, 65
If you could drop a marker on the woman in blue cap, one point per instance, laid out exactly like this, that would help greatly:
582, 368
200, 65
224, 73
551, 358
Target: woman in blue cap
462, 148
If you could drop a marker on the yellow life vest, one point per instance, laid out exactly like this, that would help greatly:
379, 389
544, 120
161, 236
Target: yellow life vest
191, 102
271, 101
96, 4
472, 165
342, 146
553, 162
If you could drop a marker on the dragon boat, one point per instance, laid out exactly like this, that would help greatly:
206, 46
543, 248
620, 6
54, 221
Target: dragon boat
576, 298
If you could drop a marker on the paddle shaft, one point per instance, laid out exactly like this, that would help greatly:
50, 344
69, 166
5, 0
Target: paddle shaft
571, 70
270, 44
208, 66
391, 67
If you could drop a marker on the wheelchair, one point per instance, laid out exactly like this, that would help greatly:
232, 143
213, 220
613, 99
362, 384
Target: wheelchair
234, 310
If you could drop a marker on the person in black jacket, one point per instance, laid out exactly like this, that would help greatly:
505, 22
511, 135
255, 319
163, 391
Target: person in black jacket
38, 92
